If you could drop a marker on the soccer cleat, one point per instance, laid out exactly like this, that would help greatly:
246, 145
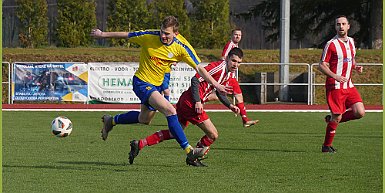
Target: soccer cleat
196, 163
193, 158
250, 123
134, 151
328, 149
328, 118
107, 126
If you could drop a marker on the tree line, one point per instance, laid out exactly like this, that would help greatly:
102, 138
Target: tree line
314, 17
205, 24
207, 28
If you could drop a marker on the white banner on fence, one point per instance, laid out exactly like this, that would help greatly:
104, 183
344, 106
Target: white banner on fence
112, 82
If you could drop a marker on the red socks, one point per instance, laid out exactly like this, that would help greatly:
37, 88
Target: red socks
205, 141
241, 107
155, 138
330, 132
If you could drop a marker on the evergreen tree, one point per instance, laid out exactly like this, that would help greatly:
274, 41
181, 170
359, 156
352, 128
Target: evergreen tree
210, 23
75, 21
159, 9
33, 22
126, 15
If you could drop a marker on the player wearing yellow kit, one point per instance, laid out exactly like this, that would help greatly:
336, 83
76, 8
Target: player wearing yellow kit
159, 50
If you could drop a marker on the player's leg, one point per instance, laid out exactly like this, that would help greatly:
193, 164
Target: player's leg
336, 100
356, 107
162, 105
165, 86
166, 94
211, 134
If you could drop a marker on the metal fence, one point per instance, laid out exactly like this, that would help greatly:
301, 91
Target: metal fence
307, 70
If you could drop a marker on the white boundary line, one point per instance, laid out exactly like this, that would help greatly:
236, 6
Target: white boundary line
213, 110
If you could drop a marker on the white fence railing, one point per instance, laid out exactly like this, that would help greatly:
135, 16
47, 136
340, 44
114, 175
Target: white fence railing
314, 84
308, 68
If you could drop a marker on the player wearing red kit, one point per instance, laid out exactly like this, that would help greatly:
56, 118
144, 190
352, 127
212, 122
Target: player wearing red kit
337, 63
236, 36
190, 105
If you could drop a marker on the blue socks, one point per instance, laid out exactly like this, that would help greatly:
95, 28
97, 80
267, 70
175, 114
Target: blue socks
127, 118
177, 131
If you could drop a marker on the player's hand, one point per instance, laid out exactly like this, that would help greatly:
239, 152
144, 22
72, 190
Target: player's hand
198, 107
341, 78
359, 69
96, 33
221, 89
235, 109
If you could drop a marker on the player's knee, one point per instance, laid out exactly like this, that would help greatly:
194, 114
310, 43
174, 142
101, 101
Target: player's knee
146, 122
337, 119
360, 114
169, 111
213, 136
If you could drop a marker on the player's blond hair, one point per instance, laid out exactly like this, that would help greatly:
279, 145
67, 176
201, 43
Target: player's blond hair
170, 21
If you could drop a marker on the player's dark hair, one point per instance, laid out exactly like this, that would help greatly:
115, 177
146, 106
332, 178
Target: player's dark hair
339, 16
170, 21
235, 29
236, 51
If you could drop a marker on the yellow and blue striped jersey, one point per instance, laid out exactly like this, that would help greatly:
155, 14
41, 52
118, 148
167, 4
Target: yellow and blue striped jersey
156, 58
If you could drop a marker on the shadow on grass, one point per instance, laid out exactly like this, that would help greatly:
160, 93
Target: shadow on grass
251, 150
109, 164
62, 167
92, 163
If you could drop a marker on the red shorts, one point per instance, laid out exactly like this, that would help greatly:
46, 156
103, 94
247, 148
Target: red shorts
185, 108
341, 99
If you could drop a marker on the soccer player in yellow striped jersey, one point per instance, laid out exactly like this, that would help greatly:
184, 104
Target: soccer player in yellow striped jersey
159, 49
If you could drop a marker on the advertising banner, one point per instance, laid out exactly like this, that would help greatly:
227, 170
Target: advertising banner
112, 82
46, 81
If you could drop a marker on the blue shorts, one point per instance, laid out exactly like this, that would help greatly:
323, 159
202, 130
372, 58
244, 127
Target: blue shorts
166, 82
143, 91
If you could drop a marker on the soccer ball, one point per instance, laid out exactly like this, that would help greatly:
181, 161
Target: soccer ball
61, 126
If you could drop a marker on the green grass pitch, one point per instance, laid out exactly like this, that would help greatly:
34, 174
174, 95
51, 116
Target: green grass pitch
280, 154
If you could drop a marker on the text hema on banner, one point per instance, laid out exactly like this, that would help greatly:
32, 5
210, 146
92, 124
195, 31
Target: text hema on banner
112, 82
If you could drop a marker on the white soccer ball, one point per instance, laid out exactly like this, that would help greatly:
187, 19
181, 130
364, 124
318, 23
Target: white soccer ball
61, 126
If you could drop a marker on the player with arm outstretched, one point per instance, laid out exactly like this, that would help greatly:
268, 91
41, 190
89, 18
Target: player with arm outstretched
159, 50
190, 106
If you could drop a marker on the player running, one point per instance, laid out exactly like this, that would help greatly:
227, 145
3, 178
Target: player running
159, 50
190, 107
337, 63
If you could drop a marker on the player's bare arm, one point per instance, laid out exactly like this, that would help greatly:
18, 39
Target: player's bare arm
324, 68
97, 33
359, 69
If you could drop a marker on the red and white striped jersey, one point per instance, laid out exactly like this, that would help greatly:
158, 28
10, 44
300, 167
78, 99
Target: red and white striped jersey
230, 45
219, 72
340, 56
